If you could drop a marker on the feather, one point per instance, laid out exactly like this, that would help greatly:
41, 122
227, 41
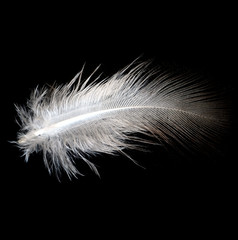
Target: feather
82, 119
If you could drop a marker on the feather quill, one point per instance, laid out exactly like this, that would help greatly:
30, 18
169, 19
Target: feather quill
81, 119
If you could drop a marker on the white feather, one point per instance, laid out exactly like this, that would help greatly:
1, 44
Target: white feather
81, 119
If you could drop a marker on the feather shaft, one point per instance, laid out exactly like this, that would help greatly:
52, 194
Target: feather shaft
85, 118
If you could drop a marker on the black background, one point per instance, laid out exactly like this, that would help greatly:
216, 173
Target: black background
50, 44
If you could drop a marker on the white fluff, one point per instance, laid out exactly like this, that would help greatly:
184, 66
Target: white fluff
80, 119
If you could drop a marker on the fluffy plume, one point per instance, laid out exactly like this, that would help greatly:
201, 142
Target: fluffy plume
82, 118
